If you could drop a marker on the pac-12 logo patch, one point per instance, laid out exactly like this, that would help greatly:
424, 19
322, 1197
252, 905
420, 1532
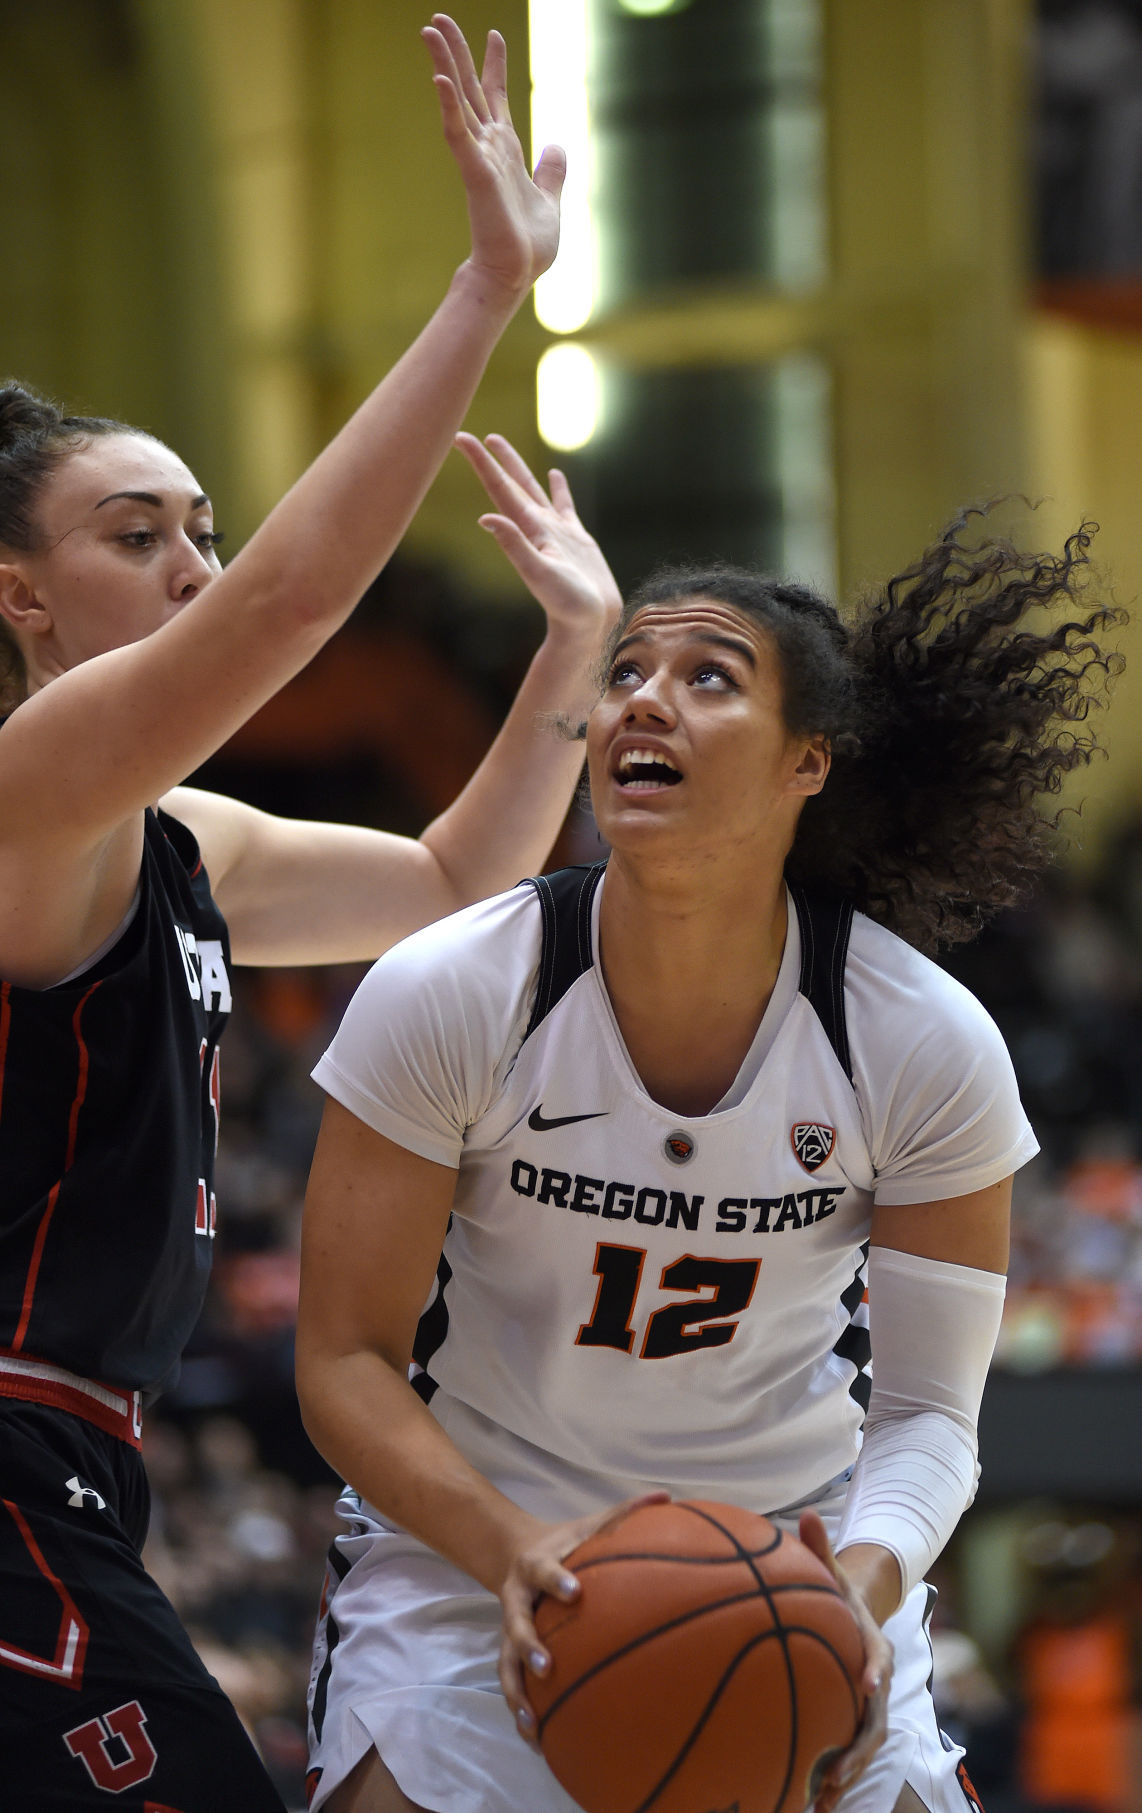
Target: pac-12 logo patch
812, 1143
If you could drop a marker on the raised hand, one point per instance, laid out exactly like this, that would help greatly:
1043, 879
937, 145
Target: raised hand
514, 218
559, 562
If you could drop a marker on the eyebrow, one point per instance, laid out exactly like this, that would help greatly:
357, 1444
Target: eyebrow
710, 637
149, 497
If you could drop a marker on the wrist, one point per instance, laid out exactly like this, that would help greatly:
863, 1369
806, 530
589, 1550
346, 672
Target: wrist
512, 1534
582, 639
489, 290
876, 1574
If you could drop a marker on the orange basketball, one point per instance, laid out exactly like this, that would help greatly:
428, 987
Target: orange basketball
708, 1663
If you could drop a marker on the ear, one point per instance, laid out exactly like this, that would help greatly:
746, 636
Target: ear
812, 770
20, 609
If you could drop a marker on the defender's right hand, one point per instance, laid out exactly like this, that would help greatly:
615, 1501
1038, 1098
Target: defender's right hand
514, 217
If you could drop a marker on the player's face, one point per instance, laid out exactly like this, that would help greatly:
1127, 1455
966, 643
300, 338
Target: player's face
126, 539
689, 740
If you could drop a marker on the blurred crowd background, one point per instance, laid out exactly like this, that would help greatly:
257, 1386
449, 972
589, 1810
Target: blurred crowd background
833, 268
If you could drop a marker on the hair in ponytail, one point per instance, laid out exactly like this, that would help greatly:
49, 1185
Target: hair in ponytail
955, 702
35, 437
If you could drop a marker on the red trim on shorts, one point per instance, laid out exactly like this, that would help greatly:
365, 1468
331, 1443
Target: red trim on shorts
69, 1159
71, 1645
117, 1411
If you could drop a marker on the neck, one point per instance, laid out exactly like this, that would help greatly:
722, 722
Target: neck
690, 969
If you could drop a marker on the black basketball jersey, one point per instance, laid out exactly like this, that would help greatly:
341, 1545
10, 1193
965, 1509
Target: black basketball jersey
108, 1127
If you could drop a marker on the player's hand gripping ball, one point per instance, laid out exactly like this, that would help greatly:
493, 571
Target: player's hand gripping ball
708, 1665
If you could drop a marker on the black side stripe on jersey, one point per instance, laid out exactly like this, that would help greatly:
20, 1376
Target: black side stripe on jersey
929, 1608
930, 1597
825, 922
854, 1343
339, 1566
565, 900
431, 1331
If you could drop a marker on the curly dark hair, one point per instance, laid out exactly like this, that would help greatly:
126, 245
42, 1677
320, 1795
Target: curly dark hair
954, 707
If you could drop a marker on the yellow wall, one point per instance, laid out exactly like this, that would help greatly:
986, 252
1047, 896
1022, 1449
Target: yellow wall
229, 221
108, 282
342, 220
926, 110
1083, 388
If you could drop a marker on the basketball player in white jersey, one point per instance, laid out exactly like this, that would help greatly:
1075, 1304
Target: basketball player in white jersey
637, 1136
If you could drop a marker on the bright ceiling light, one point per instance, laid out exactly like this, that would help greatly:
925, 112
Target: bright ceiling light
565, 295
567, 396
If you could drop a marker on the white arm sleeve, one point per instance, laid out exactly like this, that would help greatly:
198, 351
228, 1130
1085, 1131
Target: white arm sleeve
934, 1327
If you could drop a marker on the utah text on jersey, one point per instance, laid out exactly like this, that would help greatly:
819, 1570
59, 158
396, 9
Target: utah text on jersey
205, 968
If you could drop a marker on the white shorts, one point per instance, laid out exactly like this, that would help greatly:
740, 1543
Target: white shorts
405, 1662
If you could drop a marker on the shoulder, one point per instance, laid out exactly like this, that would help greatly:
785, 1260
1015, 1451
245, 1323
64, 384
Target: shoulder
436, 1024
472, 972
903, 1001
937, 1090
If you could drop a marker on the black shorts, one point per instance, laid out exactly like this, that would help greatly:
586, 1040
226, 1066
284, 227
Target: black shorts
103, 1700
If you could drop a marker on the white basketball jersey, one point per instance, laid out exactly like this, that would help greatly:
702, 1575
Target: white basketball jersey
675, 1300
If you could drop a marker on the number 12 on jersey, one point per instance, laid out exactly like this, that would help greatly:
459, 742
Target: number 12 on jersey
676, 1327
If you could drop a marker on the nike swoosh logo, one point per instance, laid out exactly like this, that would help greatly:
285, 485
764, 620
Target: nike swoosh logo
540, 1124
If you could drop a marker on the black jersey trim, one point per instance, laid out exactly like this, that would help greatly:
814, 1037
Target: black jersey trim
339, 1566
321, 1685
431, 1333
825, 922
854, 1343
565, 901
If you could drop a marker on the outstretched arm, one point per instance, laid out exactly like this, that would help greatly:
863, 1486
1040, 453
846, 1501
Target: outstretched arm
295, 892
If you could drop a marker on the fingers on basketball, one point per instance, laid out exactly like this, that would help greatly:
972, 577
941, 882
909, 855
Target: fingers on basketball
711, 1661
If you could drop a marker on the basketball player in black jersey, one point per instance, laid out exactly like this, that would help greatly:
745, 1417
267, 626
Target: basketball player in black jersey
131, 658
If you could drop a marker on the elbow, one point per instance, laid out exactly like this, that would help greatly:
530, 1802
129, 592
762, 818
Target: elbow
311, 1382
296, 611
341, 1387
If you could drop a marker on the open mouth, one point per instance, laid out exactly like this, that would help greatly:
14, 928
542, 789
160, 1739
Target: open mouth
640, 770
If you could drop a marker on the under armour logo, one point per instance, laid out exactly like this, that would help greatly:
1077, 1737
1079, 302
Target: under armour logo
81, 1493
